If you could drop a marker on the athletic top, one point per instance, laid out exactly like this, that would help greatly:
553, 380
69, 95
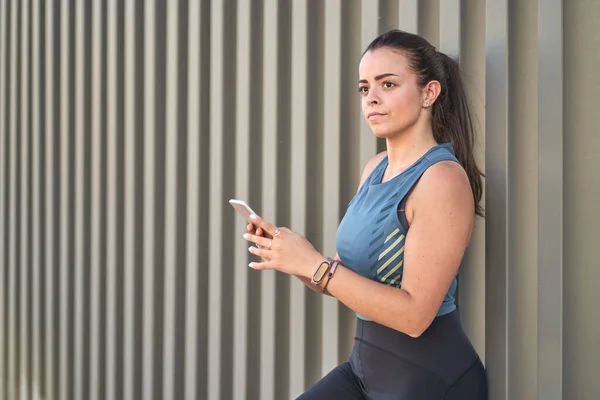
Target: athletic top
370, 238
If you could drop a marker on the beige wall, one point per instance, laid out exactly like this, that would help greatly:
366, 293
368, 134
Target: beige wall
581, 199
127, 125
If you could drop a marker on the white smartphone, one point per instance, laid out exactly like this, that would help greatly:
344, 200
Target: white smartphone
242, 208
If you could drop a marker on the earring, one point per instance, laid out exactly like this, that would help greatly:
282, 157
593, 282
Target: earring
427, 105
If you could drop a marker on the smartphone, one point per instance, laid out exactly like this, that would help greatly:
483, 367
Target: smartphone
242, 208
245, 211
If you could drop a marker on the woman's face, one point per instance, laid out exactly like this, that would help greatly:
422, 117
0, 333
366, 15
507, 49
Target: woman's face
392, 102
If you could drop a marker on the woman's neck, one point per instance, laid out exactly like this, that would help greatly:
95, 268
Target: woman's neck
405, 149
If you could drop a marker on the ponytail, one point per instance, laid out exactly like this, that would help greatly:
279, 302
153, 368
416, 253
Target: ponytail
452, 123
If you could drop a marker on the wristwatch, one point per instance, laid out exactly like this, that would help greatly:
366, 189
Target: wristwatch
321, 271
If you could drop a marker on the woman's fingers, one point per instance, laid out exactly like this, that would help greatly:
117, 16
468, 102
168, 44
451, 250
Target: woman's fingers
261, 223
262, 265
259, 252
260, 232
259, 240
250, 228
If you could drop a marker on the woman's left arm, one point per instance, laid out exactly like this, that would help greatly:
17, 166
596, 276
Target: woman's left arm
442, 215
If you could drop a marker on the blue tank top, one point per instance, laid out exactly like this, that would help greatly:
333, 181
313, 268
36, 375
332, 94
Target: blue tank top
370, 238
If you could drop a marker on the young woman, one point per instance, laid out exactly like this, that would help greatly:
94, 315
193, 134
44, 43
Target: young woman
404, 234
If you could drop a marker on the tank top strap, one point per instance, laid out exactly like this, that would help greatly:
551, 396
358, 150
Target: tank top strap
377, 171
442, 152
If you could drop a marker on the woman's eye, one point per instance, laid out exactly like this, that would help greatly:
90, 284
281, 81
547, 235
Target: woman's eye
363, 89
388, 84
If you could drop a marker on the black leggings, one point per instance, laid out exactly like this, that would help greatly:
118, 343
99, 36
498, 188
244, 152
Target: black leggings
387, 364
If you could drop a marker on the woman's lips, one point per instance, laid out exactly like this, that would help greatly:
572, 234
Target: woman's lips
374, 115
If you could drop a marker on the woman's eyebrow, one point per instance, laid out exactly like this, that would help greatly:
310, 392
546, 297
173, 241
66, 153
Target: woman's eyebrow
378, 77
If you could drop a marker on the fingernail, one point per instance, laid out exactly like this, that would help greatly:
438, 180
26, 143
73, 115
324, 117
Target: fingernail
252, 216
250, 249
250, 265
245, 236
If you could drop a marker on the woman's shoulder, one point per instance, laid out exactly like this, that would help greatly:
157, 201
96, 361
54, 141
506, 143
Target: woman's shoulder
445, 181
371, 165
445, 172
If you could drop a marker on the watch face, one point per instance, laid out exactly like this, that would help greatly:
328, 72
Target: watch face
321, 271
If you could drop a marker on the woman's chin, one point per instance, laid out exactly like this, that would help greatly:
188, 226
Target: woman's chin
381, 132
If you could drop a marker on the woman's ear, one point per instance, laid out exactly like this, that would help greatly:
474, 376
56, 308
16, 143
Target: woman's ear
431, 91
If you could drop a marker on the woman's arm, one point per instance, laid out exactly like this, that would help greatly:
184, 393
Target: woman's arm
442, 216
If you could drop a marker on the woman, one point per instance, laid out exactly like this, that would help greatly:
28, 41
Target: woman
404, 234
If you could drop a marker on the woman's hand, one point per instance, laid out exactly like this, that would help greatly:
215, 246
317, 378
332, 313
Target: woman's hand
281, 249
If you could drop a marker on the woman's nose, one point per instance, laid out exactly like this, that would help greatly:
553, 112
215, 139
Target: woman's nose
372, 97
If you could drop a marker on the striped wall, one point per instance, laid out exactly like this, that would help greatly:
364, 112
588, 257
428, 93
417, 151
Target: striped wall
126, 125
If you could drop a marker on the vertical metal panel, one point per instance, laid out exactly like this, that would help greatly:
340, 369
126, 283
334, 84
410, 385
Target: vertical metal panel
408, 15
170, 202
97, 203
130, 132
24, 181
215, 256
64, 212
429, 20
149, 195
181, 216
193, 388
111, 200
523, 269
389, 13
244, 168
204, 105
4, 129
581, 192
471, 279
50, 372
36, 329
450, 23
79, 266
550, 201
299, 130
13, 347
496, 197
